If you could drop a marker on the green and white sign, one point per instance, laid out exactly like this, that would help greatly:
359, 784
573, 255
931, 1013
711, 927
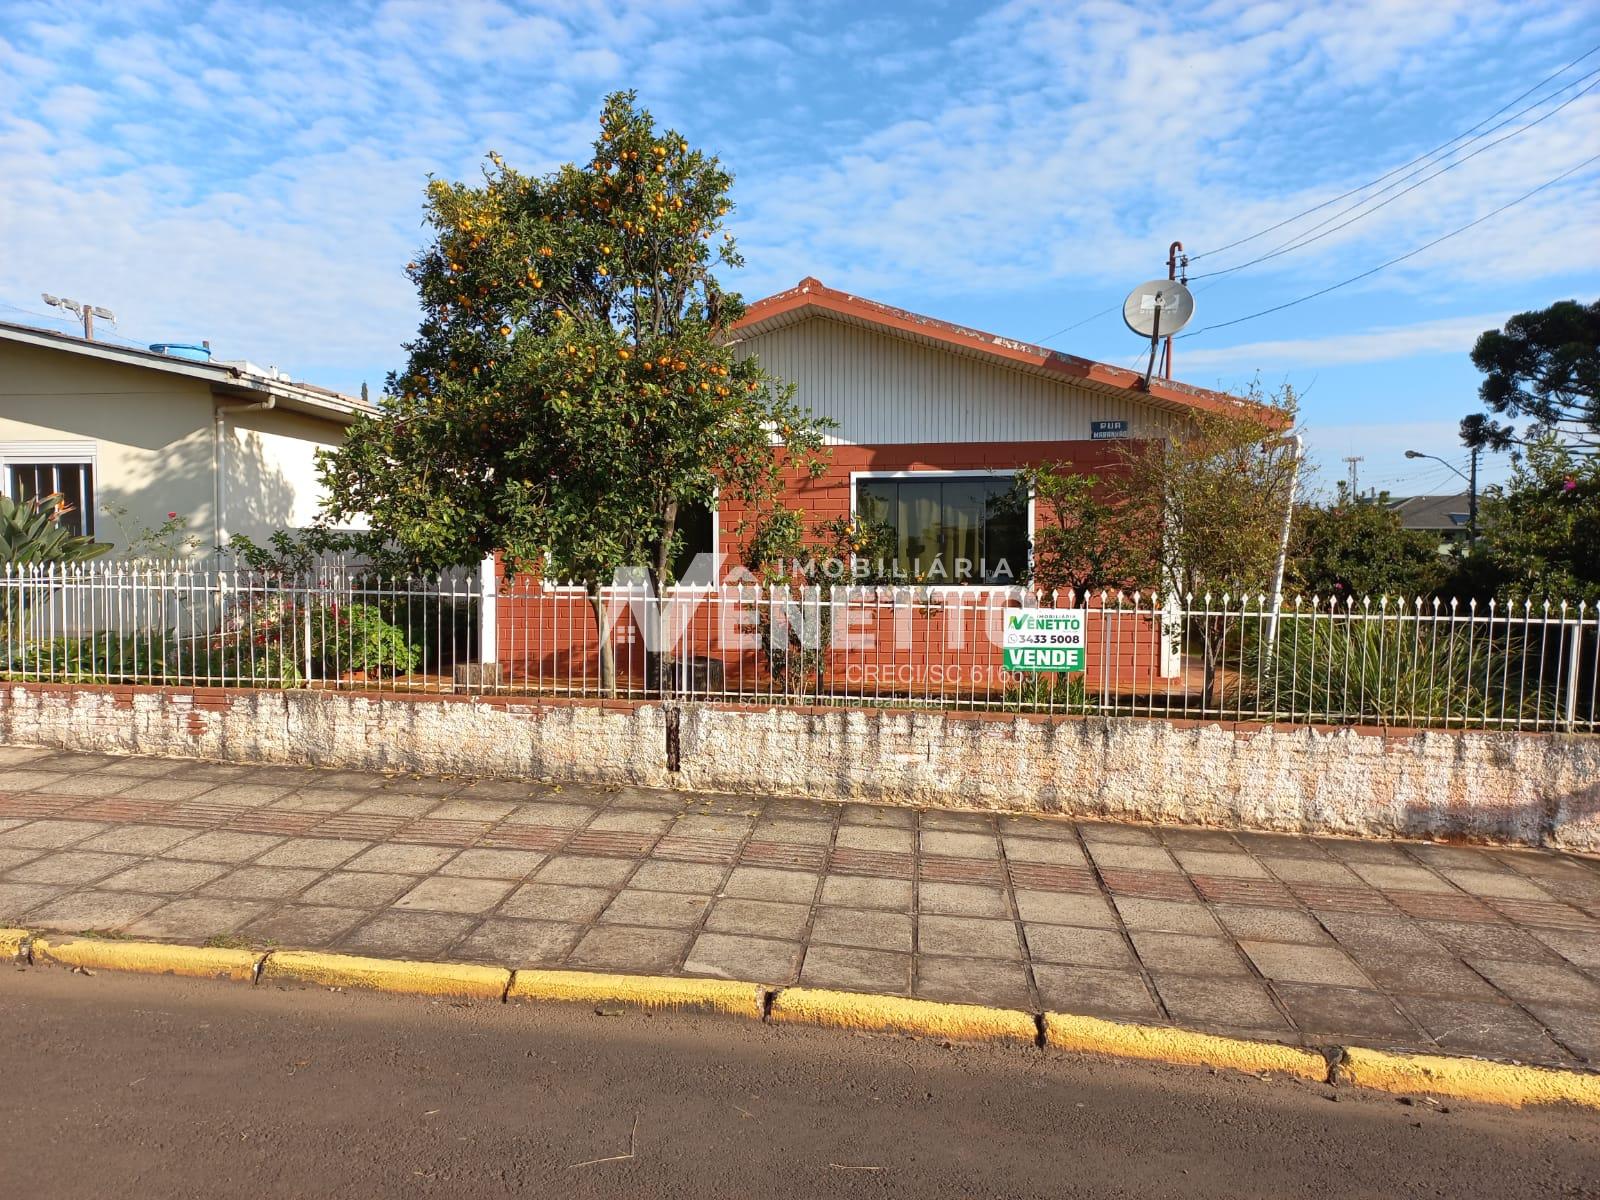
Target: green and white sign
1045, 639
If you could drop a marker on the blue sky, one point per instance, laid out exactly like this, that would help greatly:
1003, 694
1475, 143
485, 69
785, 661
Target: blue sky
252, 173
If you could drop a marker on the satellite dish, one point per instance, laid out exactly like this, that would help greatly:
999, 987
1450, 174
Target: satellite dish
1168, 297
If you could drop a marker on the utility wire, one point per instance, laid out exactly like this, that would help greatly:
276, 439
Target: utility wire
1403, 166
1294, 243
1077, 324
1549, 183
1300, 239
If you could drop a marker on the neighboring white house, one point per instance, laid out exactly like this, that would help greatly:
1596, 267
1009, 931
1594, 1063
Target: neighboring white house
230, 447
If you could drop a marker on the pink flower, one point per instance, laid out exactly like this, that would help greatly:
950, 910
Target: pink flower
1569, 484
172, 516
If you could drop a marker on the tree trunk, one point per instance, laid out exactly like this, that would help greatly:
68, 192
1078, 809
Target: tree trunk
657, 664
1208, 654
605, 643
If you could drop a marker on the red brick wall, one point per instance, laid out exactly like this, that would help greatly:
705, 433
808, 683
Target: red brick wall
827, 497
547, 638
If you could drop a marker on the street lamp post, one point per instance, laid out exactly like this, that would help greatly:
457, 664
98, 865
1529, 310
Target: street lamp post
1472, 488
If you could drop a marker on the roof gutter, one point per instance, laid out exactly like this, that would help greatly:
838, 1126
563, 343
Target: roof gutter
219, 459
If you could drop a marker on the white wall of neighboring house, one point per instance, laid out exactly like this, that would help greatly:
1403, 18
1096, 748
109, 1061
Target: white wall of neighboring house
151, 437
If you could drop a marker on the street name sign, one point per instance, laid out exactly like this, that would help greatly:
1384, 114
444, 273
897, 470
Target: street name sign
1044, 639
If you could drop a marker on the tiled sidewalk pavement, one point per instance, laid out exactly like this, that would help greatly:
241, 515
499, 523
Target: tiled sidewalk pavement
1471, 950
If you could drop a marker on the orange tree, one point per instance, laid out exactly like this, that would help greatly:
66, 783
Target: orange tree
573, 385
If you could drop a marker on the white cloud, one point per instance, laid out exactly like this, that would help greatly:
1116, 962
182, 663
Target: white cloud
253, 173
1451, 335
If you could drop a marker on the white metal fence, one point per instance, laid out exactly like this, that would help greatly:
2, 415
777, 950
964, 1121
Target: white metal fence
1336, 661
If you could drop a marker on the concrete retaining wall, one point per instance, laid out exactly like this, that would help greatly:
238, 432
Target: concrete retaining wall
1530, 788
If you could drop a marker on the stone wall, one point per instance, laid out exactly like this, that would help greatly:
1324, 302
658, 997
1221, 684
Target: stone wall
1537, 789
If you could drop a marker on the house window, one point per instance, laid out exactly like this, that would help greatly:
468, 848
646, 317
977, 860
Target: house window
949, 529
697, 535
74, 481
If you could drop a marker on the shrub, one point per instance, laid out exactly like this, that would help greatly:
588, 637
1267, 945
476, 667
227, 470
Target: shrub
96, 658
1395, 671
356, 637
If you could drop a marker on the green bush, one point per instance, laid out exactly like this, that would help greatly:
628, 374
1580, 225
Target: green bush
96, 658
1049, 691
236, 663
356, 637
1388, 672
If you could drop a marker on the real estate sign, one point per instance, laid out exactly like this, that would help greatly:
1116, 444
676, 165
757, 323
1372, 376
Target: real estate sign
1044, 639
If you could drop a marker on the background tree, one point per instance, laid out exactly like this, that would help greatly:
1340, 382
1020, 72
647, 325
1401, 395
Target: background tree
1545, 366
1359, 547
1542, 528
1202, 511
572, 386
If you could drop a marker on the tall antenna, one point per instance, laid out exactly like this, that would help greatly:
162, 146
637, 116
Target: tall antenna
1351, 461
84, 312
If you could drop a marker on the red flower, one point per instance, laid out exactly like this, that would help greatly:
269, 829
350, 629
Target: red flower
171, 516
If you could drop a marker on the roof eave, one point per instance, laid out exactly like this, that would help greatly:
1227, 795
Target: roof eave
811, 298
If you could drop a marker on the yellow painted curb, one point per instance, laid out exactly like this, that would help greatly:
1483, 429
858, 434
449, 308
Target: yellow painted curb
151, 958
1160, 1043
386, 975
646, 991
847, 1010
1469, 1079
11, 941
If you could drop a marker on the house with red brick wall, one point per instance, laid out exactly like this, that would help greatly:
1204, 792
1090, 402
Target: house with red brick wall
932, 420
930, 423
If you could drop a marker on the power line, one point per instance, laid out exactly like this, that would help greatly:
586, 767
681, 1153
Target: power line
1403, 166
1333, 287
1468, 135
1077, 324
1300, 240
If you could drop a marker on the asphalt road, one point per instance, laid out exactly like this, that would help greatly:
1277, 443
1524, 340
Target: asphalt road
131, 1087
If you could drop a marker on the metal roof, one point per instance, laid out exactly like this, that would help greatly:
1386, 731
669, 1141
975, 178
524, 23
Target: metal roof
810, 297
226, 379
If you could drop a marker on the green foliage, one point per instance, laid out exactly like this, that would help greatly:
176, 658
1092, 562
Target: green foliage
1080, 541
1048, 691
572, 382
1202, 511
31, 533
298, 552
356, 637
1545, 366
1358, 547
95, 658
1384, 672
1542, 528
141, 543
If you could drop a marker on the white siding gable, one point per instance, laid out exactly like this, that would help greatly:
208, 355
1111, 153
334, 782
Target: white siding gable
882, 390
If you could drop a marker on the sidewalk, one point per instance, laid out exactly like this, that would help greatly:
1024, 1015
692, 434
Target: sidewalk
1451, 949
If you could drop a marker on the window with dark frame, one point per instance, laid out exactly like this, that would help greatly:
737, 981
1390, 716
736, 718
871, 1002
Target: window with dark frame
696, 536
950, 529
74, 481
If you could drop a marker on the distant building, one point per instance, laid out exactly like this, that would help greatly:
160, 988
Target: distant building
1443, 516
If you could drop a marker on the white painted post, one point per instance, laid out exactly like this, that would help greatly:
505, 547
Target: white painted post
488, 646
1574, 663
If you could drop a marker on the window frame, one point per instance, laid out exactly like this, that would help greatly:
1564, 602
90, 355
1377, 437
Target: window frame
988, 473
75, 453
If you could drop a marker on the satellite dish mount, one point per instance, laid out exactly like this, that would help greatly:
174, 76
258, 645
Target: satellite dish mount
1155, 310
